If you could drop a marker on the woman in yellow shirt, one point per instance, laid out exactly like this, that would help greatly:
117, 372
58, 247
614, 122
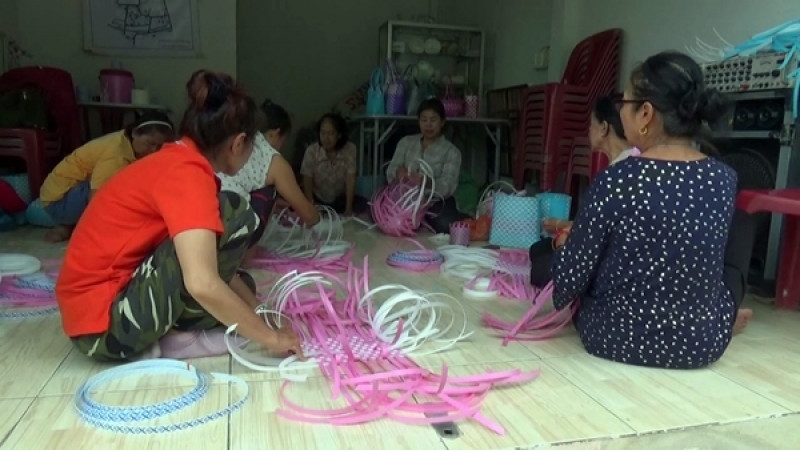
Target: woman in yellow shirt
66, 191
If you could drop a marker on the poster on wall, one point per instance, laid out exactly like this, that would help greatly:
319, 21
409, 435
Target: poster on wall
167, 28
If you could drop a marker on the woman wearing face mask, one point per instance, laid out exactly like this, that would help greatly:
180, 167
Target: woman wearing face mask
646, 256
441, 155
329, 168
267, 173
66, 191
153, 263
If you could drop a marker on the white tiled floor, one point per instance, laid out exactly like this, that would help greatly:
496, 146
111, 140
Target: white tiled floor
749, 399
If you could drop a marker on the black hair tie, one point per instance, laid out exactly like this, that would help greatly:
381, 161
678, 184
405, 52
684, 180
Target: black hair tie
217, 93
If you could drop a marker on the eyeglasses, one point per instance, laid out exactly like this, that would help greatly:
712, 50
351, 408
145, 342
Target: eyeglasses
619, 102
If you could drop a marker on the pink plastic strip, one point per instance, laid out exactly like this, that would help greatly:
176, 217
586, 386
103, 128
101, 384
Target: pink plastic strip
533, 327
278, 263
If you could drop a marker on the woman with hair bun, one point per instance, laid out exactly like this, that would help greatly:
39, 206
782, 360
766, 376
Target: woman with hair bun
645, 258
153, 266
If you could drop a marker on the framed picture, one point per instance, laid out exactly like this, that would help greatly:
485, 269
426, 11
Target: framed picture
168, 28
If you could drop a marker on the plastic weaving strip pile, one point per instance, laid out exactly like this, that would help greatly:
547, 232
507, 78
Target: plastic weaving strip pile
287, 245
363, 340
532, 326
506, 273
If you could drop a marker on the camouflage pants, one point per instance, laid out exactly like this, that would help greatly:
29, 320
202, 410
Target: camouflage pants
155, 300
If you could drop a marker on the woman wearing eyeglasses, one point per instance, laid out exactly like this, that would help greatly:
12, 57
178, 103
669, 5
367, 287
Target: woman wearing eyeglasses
645, 257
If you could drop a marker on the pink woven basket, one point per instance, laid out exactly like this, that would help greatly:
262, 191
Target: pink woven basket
472, 106
453, 106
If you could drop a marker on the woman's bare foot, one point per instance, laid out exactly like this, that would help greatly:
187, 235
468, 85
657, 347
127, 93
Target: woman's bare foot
58, 234
743, 316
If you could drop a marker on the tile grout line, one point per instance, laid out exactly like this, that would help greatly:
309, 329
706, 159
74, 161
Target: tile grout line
52, 375
789, 412
664, 431
790, 409
55, 370
14, 427
624, 422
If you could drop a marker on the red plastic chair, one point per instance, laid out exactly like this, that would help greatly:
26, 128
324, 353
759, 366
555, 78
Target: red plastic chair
40, 149
786, 202
578, 162
557, 111
583, 162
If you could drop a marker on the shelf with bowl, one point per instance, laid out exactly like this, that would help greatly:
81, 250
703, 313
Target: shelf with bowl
449, 50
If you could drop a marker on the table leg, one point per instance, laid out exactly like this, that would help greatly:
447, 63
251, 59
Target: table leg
382, 140
787, 295
111, 120
496, 137
87, 127
376, 133
361, 145
498, 150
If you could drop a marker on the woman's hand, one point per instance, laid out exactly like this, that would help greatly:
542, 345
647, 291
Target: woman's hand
561, 236
197, 257
415, 178
402, 173
551, 226
286, 341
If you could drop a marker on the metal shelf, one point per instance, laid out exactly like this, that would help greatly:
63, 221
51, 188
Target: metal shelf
468, 62
429, 26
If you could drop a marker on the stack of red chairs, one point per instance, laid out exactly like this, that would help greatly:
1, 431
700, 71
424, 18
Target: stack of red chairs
42, 149
557, 111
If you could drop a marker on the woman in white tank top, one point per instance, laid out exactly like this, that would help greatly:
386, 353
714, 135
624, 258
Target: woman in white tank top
267, 174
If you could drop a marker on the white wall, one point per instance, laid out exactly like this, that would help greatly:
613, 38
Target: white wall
9, 29
516, 30
307, 55
565, 32
8, 17
52, 31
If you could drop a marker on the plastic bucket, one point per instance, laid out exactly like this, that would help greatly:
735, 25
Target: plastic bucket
117, 85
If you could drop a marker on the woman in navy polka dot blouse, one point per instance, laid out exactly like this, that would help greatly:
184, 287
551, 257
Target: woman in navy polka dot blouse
645, 255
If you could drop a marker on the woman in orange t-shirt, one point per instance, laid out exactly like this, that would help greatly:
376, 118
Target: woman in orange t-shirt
153, 266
